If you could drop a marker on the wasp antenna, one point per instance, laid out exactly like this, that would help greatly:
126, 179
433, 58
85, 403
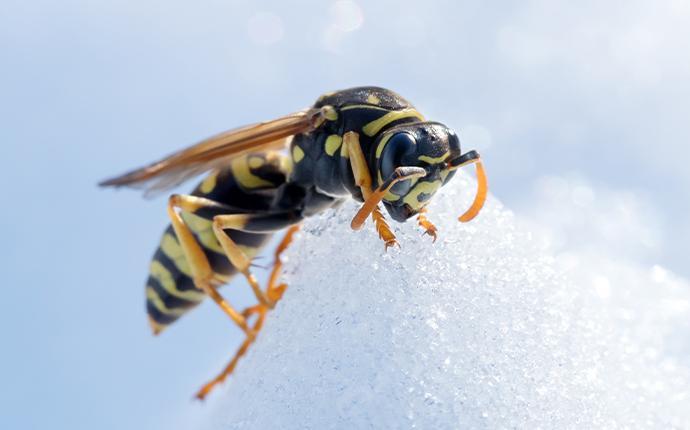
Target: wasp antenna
480, 197
466, 158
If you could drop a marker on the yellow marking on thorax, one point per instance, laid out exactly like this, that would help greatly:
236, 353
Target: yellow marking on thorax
297, 154
209, 183
329, 113
203, 229
375, 126
333, 142
158, 303
373, 99
255, 162
164, 277
434, 160
172, 249
244, 176
286, 165
421, 187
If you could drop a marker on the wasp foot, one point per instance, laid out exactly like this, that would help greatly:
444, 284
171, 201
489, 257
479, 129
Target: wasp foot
260, 310
383, 229
428, 226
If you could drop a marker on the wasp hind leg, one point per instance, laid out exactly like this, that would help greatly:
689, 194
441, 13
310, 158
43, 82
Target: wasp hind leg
252, 223
362, 176
202, 273
260, 311
274, 292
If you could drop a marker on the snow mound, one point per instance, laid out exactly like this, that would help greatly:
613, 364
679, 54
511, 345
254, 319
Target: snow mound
479, 330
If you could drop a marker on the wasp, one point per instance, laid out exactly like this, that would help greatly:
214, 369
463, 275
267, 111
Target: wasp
366, 143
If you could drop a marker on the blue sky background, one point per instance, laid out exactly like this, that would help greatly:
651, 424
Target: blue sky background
595, 91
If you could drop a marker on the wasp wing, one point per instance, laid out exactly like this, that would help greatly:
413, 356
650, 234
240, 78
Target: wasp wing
217, 151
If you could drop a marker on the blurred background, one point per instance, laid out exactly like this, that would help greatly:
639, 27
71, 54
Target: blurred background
571, 105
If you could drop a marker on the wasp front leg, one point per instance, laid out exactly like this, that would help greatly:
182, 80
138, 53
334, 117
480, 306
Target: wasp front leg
362, 176
428, 226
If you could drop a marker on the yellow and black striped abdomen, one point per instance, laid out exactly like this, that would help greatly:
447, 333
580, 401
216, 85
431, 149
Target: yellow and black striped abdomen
249, 184
170, 291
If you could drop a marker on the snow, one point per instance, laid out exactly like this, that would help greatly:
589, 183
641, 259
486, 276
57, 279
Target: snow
490, 327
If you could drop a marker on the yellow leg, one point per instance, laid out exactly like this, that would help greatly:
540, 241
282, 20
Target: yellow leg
383, 229
360, 170
261, 311
428, 226
202, 273
235, 254
273, 292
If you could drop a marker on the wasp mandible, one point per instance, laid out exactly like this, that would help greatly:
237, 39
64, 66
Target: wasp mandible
366, 143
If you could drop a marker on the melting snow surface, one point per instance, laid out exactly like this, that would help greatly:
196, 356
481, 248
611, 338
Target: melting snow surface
483, 329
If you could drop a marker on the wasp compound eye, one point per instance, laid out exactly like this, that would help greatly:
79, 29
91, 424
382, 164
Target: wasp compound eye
393, 149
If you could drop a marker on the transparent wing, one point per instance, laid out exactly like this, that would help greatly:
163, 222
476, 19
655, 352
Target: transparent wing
217, 151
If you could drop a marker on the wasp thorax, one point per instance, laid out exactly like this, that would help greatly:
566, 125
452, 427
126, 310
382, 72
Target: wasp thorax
428, 145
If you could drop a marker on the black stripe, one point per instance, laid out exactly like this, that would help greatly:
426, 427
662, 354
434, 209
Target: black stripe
275, 222
268, 171
170, 301
228, 192
157, 316
219, 262
248, 239
182, 281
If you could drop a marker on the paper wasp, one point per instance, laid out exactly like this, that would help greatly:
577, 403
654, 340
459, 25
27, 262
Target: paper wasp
365, 143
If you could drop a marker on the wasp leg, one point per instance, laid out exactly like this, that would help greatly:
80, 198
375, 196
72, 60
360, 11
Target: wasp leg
253, 223
382, 228
274, 292
261, 311
428, 226
372, 202
362, 176
199, 265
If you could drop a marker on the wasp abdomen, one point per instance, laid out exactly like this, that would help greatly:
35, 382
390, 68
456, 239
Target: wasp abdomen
248, 185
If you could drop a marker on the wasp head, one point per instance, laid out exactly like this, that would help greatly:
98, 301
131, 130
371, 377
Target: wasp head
429, 145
